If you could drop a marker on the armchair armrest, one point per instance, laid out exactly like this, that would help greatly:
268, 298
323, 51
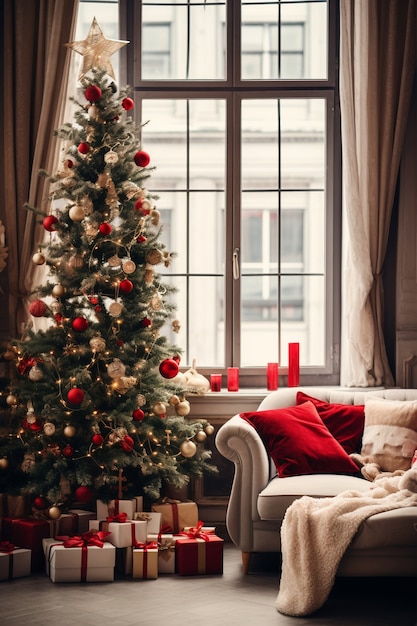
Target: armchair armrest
239, 442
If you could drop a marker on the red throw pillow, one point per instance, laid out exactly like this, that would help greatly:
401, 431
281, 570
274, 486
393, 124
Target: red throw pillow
298, 441
345, 421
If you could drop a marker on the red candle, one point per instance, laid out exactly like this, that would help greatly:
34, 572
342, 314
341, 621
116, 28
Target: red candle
272, 376
216, 382
232, 379
293, 364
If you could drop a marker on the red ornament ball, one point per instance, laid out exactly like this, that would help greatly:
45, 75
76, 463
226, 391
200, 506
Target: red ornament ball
127, 443
128, 104
69, 163
49, 222
83, 494
83, 147
126, 286
93, 93
75, 396
98, 439
141, 239
79, 324
138, 415
168, 368
36, 426
143, 206
40, 503
146, 322
93, 299
68, 451
142, 158
37, 308
105, 228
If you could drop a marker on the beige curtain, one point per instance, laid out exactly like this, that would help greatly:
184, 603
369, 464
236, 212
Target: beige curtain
34, 96
377, 64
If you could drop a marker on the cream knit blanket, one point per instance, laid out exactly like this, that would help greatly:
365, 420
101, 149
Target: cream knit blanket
314, 536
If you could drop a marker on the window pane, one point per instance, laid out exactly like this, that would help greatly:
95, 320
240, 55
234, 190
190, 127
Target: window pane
296, 32
186, 140
195, 46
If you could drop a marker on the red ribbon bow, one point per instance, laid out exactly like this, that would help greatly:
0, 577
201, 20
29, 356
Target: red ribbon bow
89, 538
6, 546
196, 533
149, 545
121, 518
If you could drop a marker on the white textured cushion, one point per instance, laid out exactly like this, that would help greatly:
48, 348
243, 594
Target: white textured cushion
280, 493
390, 433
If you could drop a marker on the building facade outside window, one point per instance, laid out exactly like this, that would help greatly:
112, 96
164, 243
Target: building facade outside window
239, 107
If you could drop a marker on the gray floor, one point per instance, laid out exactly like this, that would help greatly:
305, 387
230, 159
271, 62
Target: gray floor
229, 600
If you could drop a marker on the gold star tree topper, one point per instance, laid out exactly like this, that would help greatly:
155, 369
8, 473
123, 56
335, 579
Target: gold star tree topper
96, 50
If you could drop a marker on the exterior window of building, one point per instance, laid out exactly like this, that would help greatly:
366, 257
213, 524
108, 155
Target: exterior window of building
239, 107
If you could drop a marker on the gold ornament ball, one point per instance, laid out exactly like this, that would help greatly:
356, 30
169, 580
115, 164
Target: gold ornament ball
4, 463
200, 436
58, 291
209, 429
38, 258
174, 400
159, 408
115, 309
77, 213
54, 512
183, 408
69, 431
188, 448
11, 400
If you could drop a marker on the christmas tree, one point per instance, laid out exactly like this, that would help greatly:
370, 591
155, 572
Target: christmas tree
97, 399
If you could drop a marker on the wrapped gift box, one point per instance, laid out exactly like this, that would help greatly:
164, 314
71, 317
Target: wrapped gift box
145, 561
89, 563
177, 515
104, 509
26, 532
81, 520
166, 553
15, 563
199, 556
122, 534
139, 503
124, 560
153, 520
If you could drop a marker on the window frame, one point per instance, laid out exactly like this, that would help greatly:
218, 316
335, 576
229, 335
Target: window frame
233, 90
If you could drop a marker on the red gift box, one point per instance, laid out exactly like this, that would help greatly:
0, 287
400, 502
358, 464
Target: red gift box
27, 533
197, 552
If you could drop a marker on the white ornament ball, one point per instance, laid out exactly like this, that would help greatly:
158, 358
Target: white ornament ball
97, 344
188, 448
111, 157
77, 213
35, 374
116, 369
31, 417
49, 429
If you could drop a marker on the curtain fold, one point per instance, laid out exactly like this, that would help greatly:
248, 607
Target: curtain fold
377, 65
34, 96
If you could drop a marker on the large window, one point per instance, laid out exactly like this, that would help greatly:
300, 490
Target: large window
240, 104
